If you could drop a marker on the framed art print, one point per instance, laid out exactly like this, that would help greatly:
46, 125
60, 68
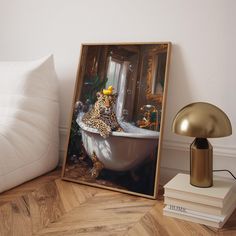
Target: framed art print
117, 116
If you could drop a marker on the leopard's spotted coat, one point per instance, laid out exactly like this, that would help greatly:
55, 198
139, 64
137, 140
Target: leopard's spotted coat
101, 116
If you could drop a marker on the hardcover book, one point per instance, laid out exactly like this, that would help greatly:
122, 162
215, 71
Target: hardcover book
209, 206
218, 211
197, 217
218, 195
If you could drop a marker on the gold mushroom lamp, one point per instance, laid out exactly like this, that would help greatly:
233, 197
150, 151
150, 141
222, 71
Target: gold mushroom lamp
201, 120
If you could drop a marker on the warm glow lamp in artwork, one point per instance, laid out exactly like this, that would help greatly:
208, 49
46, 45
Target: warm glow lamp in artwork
201, 120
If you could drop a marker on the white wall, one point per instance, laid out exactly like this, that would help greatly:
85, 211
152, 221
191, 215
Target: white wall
203, 64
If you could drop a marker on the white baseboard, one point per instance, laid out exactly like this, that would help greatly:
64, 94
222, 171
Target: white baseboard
228, 152
176, 158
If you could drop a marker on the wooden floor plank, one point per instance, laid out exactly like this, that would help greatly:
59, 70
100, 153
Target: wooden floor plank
27, 187
45, 206
104, 213
48, 206
15, 214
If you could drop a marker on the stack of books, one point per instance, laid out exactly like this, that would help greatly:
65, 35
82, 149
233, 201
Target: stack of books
209, 206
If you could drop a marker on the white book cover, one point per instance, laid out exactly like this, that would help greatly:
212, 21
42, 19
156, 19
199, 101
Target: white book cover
203, 207
200, 218
217, 195
192, 219
197, 214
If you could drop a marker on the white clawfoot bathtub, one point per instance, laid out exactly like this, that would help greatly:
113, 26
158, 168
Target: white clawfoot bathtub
121, 151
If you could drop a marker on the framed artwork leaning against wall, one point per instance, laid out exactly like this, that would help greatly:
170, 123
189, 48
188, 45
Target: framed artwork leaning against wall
117, 117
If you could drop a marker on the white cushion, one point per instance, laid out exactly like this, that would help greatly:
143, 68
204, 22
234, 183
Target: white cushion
29, 111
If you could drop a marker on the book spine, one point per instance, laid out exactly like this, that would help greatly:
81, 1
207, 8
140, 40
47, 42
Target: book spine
201, 215
192, 219
195, 206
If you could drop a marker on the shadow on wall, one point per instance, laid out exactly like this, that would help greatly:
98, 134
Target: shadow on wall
179, 90
174, 158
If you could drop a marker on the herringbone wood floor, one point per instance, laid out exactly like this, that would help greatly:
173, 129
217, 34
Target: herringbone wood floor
50, 206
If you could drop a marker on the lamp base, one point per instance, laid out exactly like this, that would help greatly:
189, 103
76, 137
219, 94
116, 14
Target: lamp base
201, 163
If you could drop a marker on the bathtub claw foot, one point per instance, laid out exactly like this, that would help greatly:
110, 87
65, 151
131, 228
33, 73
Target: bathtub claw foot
97, 166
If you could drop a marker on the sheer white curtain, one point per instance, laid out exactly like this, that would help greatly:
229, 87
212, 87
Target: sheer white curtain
116, 74
121, 90
113, 73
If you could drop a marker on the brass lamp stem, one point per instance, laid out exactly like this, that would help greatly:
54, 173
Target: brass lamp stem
201, 163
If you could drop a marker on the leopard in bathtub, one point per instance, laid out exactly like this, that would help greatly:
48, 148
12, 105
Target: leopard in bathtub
101, 116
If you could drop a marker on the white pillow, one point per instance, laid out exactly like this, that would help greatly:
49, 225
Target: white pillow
29, 114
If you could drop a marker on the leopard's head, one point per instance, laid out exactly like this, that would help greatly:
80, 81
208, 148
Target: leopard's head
105, 104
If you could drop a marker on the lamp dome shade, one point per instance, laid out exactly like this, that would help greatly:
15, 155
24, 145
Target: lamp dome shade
202, 120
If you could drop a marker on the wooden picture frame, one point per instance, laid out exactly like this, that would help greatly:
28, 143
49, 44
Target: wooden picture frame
117, 117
